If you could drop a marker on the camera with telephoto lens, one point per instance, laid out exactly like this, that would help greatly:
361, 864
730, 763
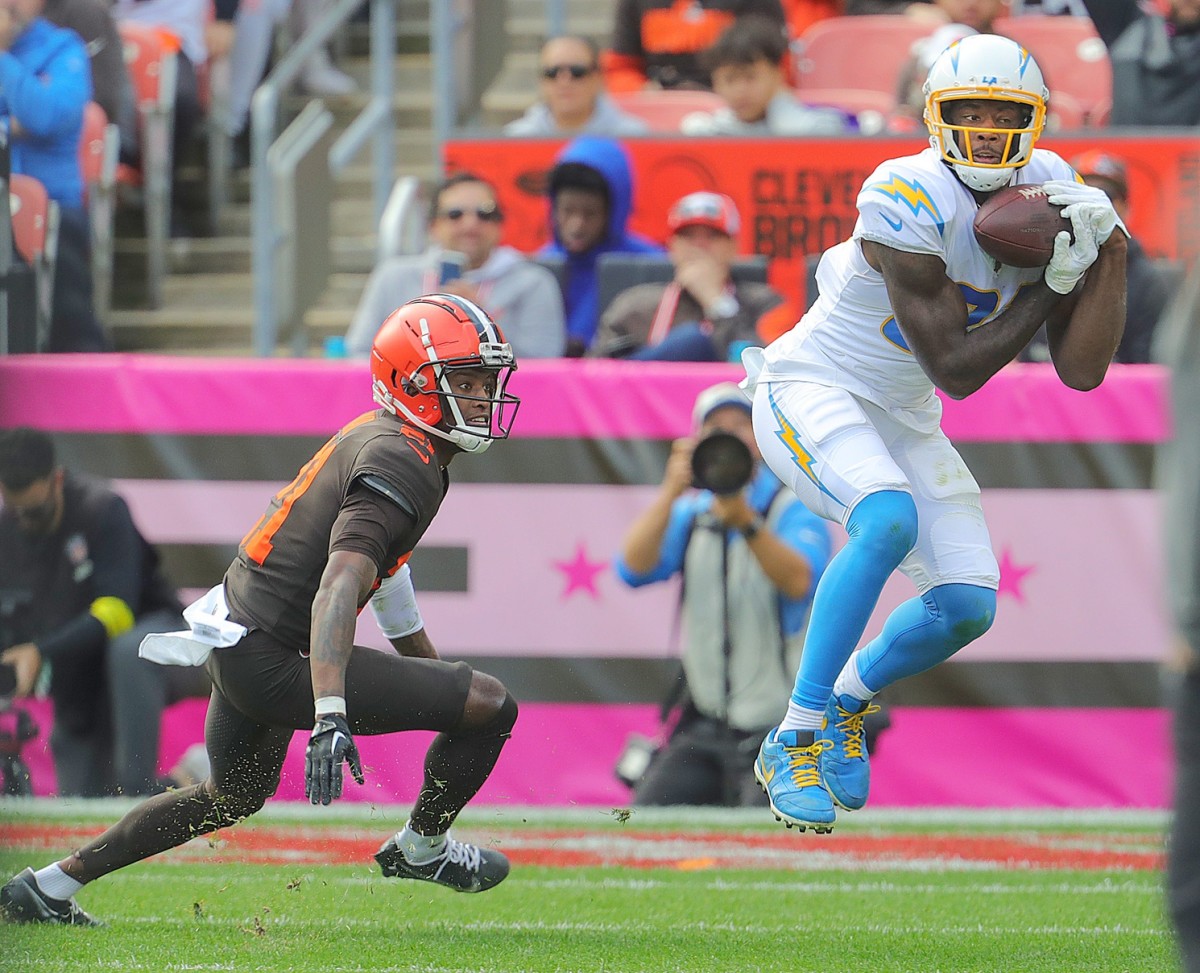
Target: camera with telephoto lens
722, 463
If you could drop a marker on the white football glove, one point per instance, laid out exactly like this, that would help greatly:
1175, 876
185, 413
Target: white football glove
1071, 260
1091, 203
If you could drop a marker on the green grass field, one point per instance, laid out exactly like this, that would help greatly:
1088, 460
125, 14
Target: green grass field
592, 890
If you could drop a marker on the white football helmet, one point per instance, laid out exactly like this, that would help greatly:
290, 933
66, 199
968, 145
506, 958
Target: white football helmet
985, 67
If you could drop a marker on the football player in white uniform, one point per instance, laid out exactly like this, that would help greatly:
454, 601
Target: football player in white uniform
845, 410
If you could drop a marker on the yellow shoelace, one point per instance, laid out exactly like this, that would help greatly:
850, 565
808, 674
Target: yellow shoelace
851, 724
803, 761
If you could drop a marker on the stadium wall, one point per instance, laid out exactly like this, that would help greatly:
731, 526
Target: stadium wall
1058, 705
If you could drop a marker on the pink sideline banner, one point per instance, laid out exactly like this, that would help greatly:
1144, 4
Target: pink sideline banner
559, 596
984, 758
591, 399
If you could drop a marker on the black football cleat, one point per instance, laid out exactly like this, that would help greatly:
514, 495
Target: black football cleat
460, 866
22, 901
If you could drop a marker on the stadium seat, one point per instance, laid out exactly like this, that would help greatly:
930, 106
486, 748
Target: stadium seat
865, 52
1070, 53
35, 233
98, 148
850, 100
1065, 113
663, 110
150, 55
619, 271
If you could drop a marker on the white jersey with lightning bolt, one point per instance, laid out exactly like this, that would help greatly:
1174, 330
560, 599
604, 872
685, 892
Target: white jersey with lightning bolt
849, 338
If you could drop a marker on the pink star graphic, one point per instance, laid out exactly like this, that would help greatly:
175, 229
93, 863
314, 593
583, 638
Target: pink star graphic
581, 573
1012, 576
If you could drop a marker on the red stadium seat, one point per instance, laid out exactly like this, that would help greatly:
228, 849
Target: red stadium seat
663, 110
1065, 114
150, 56
30, 208
98, 148
1073, 59
35, 236
857, 52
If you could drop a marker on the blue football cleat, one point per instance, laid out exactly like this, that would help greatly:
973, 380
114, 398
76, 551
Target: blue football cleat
845, 767
786, 768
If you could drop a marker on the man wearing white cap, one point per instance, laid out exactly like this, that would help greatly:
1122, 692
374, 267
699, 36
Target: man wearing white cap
750, 554
702, 311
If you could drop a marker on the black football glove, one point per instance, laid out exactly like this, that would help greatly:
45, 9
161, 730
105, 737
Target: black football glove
329, 745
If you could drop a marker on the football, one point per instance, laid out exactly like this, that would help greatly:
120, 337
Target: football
1017, 226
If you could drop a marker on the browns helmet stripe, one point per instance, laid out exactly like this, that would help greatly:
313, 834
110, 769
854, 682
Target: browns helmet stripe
485, 328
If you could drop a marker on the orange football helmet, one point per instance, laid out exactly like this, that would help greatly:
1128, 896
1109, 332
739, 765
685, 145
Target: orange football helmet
416, 351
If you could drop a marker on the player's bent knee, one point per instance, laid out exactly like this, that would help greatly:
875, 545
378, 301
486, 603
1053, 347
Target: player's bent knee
967, 611
887, 522
491, 720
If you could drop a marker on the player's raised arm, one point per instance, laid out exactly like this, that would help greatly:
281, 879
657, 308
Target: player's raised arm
932, 315
1083, 332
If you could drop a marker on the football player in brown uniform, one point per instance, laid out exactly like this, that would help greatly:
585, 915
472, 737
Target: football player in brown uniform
333, 540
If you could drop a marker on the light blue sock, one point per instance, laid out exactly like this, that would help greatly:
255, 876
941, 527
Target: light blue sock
882, 530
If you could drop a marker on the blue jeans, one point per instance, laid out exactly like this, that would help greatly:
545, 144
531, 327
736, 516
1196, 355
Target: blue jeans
684, 342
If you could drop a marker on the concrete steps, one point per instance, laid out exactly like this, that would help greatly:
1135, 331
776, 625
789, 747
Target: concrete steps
208, 295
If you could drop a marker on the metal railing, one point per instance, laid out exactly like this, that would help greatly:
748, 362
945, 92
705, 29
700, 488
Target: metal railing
468, 47
374, 122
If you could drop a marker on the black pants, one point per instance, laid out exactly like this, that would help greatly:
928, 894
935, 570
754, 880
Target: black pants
73, 324
704, 762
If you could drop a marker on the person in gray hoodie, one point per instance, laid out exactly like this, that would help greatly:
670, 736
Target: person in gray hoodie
465, 223
573, 100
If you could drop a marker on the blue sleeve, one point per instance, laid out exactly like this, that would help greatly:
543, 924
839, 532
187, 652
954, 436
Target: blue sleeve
670, 556
49, 103
805, 532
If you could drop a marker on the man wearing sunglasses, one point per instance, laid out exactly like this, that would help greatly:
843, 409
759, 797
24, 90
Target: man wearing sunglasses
573, 100
465, 259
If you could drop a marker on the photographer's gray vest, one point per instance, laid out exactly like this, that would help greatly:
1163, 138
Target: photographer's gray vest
745, 679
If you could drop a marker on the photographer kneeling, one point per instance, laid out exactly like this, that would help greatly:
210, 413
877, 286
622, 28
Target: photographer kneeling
750, 554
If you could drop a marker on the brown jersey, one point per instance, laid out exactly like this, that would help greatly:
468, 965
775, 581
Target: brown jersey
272, 582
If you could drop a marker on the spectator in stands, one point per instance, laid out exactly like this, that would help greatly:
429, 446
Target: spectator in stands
1155, 60
465, 219
591, 194
657, 43
92, 21
185, 23
700, 315
1149, 283
750, 557
746, 64
573, 99
45, 82
82, 587
254, 23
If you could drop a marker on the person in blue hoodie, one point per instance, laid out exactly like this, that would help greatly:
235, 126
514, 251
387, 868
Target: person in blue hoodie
591, 192
45, 82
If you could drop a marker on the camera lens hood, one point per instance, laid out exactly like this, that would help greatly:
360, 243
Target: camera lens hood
722, 463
